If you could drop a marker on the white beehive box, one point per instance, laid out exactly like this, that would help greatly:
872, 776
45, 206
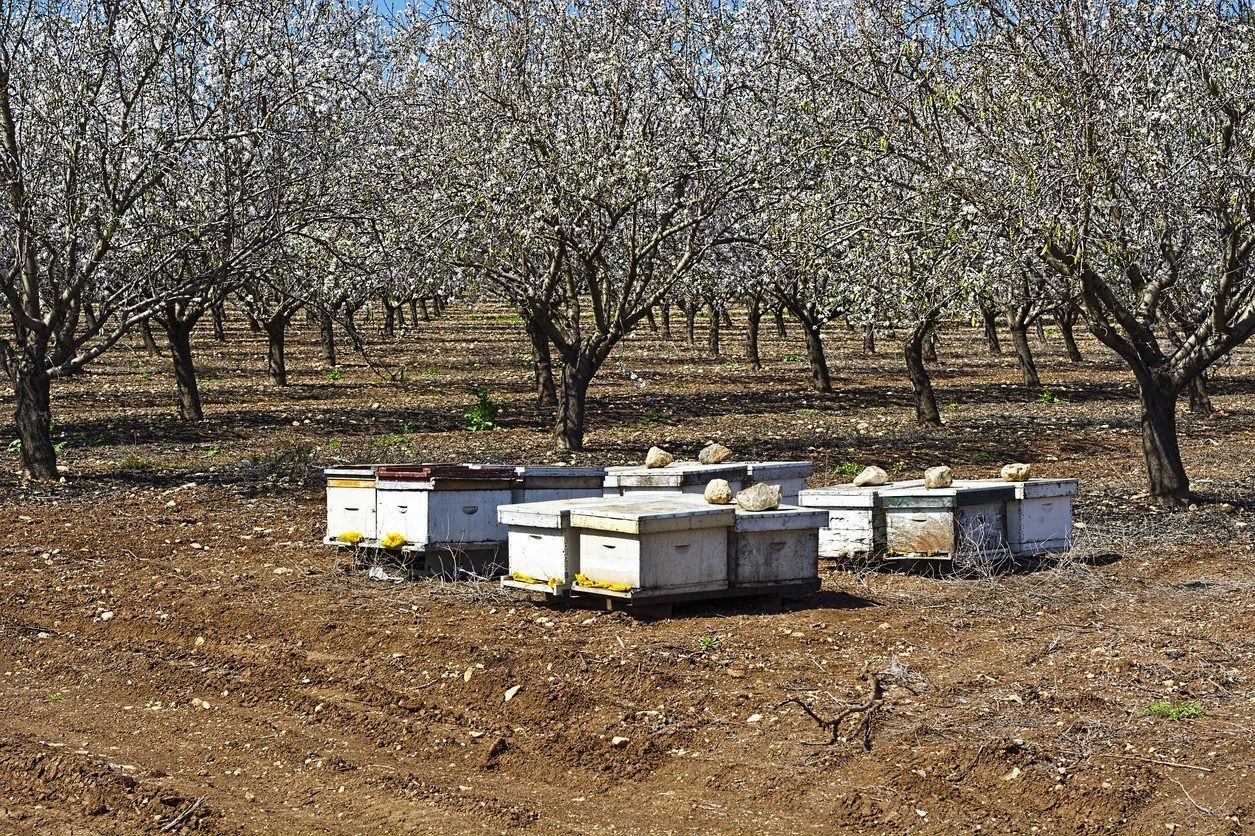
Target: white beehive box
941, 523
1039, 519
350, 503
544, 550
790, 476
545, 484
856, 523
677, 477
774, 547
441, 511
653, 544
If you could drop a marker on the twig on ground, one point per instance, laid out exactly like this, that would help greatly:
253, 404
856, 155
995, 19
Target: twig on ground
866, 709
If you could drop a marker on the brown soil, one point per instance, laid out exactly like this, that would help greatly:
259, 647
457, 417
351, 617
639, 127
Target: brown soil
178, 652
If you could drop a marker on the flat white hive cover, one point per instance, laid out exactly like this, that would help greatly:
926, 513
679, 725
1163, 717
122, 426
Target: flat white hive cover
649, 513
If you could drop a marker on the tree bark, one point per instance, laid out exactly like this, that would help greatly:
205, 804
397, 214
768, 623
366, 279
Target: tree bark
653, 322
665, 310
1041, 331
569, 430
1024, 355
751, 336
869, 338
179, 335
712, 332
1200, 398
926, 412
542, 365
820, 377
989, 317
276, 364
150, 343
422, 308
778, 314
929, 345
327, 334
1165, 471
1066, 317
32, 390
690, 322
219, 316
389, 320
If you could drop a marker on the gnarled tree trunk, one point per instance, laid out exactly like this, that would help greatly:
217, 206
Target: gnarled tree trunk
542, 364
276, 336
327, 335
926, 412
989, 318
712, 332
32, 390
179, 335
1164, 469
751, 335
1024, 355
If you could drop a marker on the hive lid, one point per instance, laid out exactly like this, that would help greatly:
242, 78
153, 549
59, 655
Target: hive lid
1032, 489
350, 471
553, 513
676, 474
764, 471
784, 518
444, 470
547, 471
650, 514
955, 496
849, 496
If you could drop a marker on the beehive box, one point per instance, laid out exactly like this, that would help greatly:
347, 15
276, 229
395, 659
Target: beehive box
775, 547
856, 521
652, 544
677, 477
940, 523
350, 504
543, 547
790, 476
545, 484
427, 508
1039, 519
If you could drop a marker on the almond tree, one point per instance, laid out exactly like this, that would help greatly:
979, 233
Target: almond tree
592, 153
1112, 144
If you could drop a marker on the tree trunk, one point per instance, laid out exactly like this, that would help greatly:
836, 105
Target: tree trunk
820, 378
778, 313
1200, 398
712, 333
32, 392
219, 316
666, 320
751, 336
146, 332
389, 320
1041, 331
1024, 355
413, 312
690, 323
542, 365
989, 316
327, 334
180, 336
569, 430
869, 338
422, 308
1067, 322
929, 345
727, 318
276, 364
1166, 473
926, 412
253, 324
653, 323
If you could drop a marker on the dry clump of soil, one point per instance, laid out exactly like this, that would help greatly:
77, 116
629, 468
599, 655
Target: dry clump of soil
178, 653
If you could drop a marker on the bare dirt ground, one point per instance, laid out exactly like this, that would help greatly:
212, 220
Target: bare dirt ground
178, 652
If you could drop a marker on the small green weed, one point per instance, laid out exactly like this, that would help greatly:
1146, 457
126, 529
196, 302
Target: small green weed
651, 418
54, 698
334, 444
1047, 397
133, 462
334, 374
953, 407
985, 457
849, 468
407, 430
806, 411
793, 358
15, 446
212, 452
483, 415
1176, 710
706, 644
